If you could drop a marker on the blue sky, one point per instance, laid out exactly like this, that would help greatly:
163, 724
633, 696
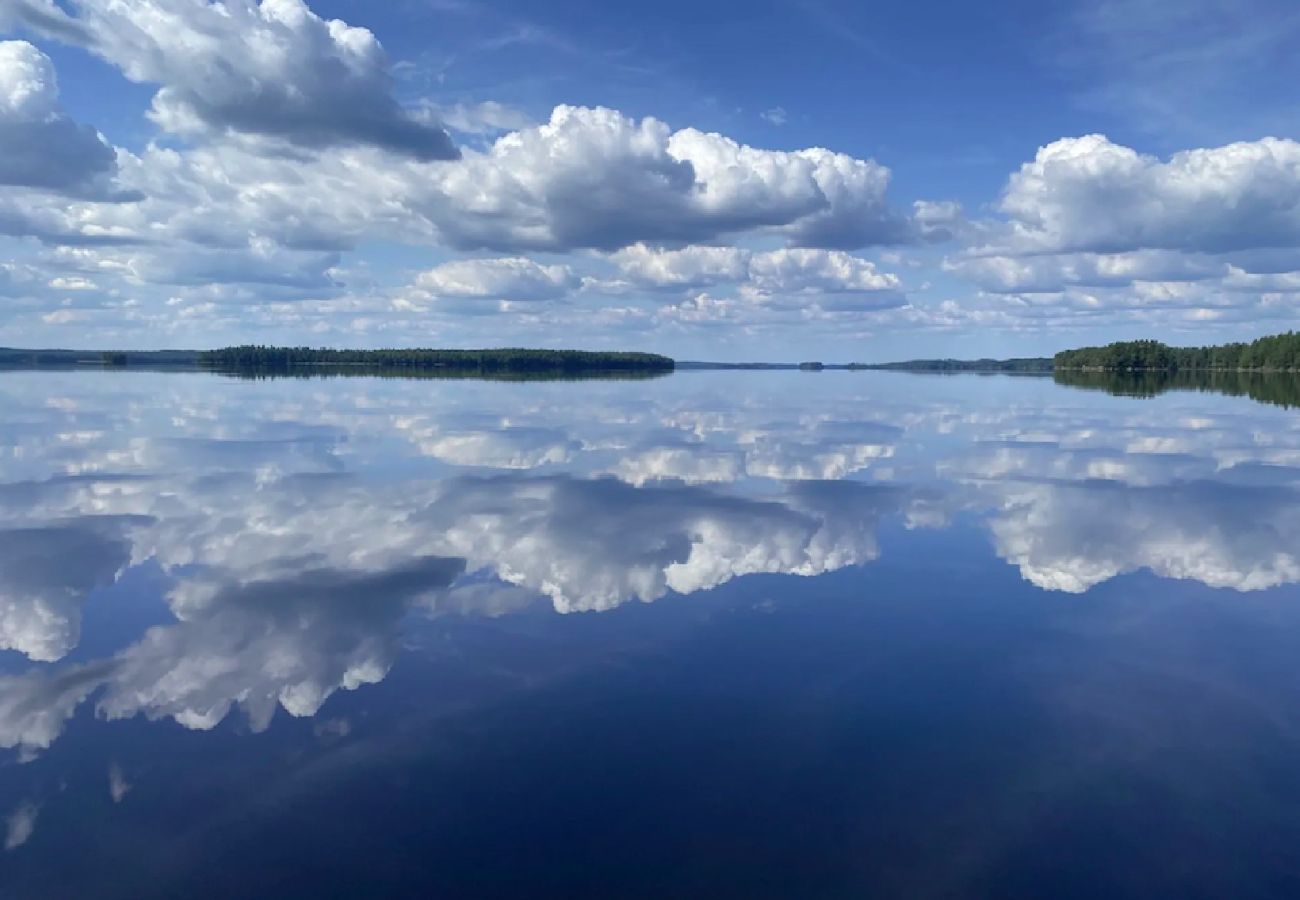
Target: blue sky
784, 180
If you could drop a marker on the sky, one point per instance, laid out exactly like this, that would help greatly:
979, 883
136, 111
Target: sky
773, 180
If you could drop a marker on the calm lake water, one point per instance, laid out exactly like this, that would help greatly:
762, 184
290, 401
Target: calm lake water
720, 634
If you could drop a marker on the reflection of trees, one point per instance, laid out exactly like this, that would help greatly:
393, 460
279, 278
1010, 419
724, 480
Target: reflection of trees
451, 374
1279, 389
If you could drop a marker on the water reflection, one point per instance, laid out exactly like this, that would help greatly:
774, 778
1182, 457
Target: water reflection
264, 551
288, 641
625, 500
1280, 389
1071, 536
286, 590
46, 571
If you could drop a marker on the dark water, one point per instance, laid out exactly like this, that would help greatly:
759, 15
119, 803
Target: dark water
714, 635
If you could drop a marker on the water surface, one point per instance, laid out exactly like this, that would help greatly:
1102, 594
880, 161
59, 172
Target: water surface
717, 634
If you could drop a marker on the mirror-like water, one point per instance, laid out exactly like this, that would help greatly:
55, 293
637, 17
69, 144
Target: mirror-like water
715, 634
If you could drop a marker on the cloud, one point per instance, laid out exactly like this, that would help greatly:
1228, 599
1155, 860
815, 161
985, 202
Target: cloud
938, 220
245, 227
272, 69
1097, 233
789, 280
785, 271
16, 280
260, 261
486, 117
20, 825
40, 146
776, 115
694, 266
1089, 194
512, 278
1005, 274
816, 271
595, 178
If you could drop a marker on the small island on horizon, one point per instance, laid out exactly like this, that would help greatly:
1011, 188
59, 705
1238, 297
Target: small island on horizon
509, 360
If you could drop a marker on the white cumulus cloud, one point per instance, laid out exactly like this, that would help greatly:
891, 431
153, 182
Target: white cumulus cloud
595, 178
1088, 193
510, 278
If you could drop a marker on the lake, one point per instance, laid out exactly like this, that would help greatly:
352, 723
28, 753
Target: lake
716, 634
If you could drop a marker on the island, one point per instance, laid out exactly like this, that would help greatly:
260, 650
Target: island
269, 361
506, 360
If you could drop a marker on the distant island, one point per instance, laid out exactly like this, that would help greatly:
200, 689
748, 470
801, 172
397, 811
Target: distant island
275, 360
506, 360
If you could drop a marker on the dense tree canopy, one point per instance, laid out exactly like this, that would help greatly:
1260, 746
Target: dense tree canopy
1278, 352
503, 360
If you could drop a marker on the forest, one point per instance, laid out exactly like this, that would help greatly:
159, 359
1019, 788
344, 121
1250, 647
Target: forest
15, 358
1277, 353
482, 361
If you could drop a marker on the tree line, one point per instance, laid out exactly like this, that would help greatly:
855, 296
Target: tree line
487, 361
1021, 364
1263, 387
1279, 352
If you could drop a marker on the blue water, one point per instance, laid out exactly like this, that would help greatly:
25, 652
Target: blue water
721, 634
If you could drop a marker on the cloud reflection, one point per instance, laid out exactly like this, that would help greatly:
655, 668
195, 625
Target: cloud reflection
297, 529
45, 575
287, 591
1071, 536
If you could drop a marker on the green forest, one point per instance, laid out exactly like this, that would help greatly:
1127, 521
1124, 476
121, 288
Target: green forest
510, 360
15, 358
1278, 353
